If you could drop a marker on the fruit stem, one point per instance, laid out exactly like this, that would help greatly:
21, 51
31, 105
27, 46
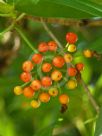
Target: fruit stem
23, 85
52, 35
90, 120
67, 45
25, 39
91, 98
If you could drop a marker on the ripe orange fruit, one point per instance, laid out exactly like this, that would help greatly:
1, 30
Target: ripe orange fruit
43, 47
37, 58
44, 97
79, 66
46, 81
28, 92
58, 61
72, 71
52, 45
88, 53
71, 37
56, 75
27, 66
64, 99
25, 77
35, 85
46, 67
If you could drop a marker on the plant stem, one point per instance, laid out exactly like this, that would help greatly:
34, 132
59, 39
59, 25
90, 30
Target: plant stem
51, 34
25, 39
91, 98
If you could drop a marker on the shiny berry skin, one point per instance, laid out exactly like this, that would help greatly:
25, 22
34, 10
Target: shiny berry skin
35, 103
68, 58
37, 58
56, 75
52, 46
44, 97
18, 90
46, 81
71, 84
27, 66
88, 53
53, 92
28, 92
79, 66
46, 67
58, 61
71, 48
64, 99
72, 71
71, 37
35, 85
43, 47
25, 77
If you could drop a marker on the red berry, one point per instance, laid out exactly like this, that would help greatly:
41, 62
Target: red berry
71, 37
46, 67
28, 92
43, 47
79, 66
46, 81
25, 77
52, 46
37, 58
72, 71
35, 85
27, 66
58, 61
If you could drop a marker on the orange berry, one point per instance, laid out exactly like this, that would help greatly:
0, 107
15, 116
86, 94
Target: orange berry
46, 67
58, 61
56, 75
88, 53
35, 85
52, 46
46, 81
68, 58
25, 77
44, 97
37, 58
43, 47
79, 66
28, 92
72, 71
35, 103
64, 99
53, 92
71, 37
27, 66
18, 90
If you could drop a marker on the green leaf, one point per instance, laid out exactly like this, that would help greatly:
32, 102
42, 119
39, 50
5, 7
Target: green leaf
98, 131
58, 8
5, 8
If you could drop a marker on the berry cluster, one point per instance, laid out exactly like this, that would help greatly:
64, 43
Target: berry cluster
42, 88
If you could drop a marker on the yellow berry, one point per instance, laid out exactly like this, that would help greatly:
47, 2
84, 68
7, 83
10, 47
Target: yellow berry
18, 90
68, 58
71, 84
71, 48
53, 92
88, 53
35, 103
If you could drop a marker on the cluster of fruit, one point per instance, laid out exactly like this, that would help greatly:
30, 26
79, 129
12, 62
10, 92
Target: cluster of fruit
41, 89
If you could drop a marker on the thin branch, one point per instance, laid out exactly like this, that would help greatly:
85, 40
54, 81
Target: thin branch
91, 98
51, 34
69, 22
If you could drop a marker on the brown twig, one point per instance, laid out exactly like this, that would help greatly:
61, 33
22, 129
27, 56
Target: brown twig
91, 98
